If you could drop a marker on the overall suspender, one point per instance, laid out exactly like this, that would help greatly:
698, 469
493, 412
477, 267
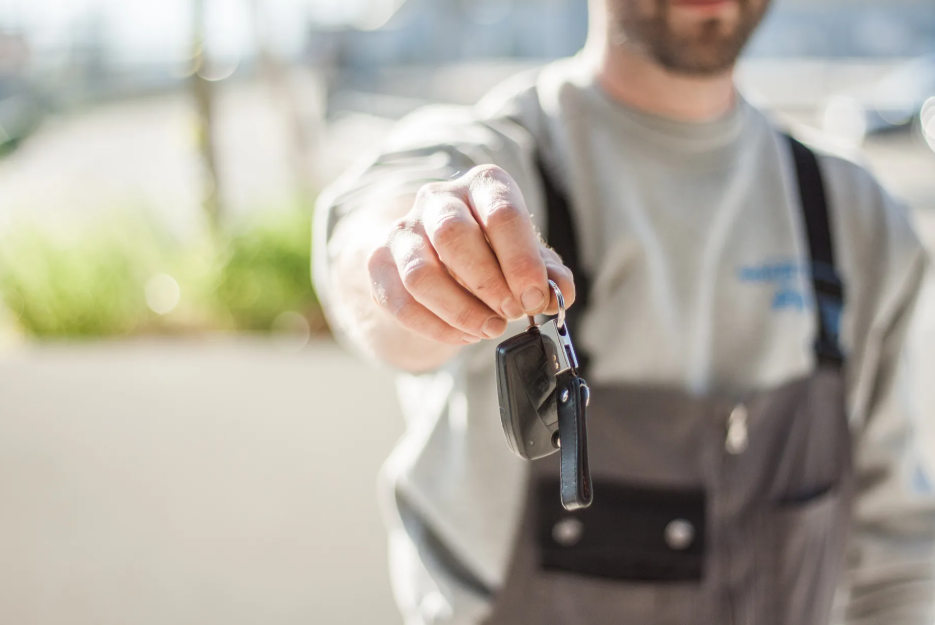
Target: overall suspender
562, 237
826, 283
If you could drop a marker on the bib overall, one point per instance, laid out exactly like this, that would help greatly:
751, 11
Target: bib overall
705, 510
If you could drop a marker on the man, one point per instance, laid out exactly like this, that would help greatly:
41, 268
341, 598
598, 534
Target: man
744, 309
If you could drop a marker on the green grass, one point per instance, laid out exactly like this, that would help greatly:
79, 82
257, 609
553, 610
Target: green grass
80, 284
91, 280
265, 271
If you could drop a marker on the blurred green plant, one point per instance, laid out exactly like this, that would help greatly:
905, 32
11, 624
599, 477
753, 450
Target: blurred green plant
265, 271
126, 276
81, 283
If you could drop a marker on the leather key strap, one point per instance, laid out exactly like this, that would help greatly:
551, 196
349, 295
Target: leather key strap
572, 394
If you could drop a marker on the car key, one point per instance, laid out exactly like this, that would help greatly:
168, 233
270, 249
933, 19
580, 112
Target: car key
543, 401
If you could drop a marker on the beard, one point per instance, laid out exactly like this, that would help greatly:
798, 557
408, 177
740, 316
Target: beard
699, 48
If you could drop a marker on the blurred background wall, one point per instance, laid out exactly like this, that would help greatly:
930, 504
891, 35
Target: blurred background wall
180, 441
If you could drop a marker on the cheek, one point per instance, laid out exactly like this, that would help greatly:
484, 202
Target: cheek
754, 8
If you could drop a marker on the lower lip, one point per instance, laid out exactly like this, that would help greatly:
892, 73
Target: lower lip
702, 4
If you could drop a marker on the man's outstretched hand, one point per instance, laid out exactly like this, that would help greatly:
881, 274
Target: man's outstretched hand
464, 260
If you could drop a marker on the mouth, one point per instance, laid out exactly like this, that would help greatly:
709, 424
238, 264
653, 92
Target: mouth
703, 9
702, 5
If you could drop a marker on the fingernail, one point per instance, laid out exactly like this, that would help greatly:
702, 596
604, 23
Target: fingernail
470, 339
494, 327
511, 308
533, 299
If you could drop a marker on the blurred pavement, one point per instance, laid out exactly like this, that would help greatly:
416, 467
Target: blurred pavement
207, 482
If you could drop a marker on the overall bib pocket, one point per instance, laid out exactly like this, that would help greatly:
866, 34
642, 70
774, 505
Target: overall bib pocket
631, 533
635, 556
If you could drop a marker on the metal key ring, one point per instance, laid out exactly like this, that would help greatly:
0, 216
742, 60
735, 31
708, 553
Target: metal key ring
561, 304
560, 322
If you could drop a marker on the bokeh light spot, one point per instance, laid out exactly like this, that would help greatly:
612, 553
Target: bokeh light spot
927, 118
218, 69
291, 331
162, 293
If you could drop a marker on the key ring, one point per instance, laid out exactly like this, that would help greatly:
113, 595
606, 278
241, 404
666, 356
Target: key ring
560, 321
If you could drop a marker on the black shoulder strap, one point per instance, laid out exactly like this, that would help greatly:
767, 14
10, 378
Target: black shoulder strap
827, 284
828, 287
562, 237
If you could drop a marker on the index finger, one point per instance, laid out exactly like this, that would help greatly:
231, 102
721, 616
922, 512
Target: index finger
499, 208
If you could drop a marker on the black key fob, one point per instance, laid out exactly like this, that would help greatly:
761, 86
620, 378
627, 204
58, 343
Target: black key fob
526, 390
543, 402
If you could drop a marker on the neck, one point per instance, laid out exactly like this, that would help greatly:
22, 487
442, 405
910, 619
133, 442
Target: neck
638, 81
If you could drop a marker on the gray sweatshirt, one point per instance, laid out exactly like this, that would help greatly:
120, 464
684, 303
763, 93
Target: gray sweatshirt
692, 235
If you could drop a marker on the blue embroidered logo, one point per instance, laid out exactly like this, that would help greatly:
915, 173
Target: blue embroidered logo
787, 278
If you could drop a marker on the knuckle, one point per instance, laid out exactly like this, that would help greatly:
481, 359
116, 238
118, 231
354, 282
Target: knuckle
417, 275
451, 231
551, 256
397, 228
429, 190
466, 318
527, 267
490, 283
385, 295
488, 172
503, 214
378, 259
405, 312
492, 181
562, 272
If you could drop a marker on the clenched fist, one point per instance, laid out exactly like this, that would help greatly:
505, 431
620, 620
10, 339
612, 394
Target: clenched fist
465, 259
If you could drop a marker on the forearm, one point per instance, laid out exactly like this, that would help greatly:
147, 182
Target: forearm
352, 307
892, 573
892, 560
896, 586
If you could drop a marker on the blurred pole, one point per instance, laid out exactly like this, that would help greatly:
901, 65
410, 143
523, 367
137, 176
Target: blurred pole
301, 131
203, 91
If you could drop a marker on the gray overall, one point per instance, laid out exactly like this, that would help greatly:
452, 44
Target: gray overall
705, 510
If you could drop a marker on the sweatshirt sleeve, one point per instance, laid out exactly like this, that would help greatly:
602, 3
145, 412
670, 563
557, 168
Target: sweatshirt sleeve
891, 566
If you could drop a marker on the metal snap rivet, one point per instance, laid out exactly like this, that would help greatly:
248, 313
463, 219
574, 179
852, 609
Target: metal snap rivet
679, 534
565, 395
737, 434
568, 532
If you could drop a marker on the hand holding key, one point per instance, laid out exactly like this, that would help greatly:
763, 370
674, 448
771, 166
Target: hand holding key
465, 259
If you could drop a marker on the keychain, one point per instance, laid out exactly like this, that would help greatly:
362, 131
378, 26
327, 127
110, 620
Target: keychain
543, 401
